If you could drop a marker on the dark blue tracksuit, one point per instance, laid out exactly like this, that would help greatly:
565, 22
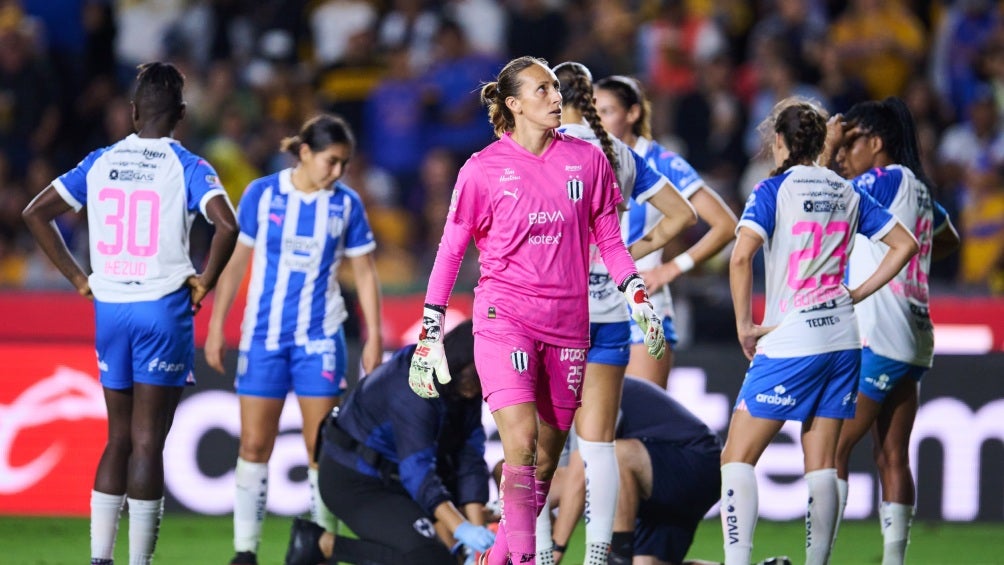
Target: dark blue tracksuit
378, 469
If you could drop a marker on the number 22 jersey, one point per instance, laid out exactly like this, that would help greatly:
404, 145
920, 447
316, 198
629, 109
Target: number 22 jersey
807, 217
141, 195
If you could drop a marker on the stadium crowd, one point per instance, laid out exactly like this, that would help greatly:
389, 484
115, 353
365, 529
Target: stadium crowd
405, 75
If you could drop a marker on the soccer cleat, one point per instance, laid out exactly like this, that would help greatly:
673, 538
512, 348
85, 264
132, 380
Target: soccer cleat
304, 548
779, 560
244, 558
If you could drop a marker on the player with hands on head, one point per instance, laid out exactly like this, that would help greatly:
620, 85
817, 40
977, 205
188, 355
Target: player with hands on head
877, 147
141, 195
298, 225
610, 322
805, 356
407, 475
625, 112
532, 201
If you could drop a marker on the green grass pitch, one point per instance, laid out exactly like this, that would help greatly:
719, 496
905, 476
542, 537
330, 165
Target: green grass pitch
206, 540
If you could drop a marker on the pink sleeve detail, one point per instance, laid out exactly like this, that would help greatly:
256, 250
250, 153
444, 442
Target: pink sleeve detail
607, 231
448, 258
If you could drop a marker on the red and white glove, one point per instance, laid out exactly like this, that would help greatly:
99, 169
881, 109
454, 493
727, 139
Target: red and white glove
429, 356
644, 315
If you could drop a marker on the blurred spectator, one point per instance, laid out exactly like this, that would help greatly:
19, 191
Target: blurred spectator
410, 25
483, 22
536, 28
982, 260
29, 93
975, 140
393, 131
992, 65
669, 47
966, 26
392, 228
344, 86
879, 41
777, 79
610, 47
800, 29
840, 89
458, 121
227, 154
334, 22
142, 28
710, 122
208, 100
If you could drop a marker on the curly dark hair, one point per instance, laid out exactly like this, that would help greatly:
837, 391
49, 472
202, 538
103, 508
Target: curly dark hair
893, 123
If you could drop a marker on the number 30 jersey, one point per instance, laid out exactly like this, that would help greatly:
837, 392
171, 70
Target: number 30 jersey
807, 217
141, 196
895, 321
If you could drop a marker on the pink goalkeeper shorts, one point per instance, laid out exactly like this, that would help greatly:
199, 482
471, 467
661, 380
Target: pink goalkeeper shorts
515, 368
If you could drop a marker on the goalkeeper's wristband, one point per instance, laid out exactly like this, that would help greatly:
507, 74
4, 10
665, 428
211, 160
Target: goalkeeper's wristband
624, 284
559, 548
436, 307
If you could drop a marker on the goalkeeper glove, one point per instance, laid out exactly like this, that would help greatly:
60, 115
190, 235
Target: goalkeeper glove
644, 315
429, 356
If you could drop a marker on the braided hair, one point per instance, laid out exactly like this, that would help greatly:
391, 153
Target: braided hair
159, 91
893, 123
494, 94
577, 91
802, 125
628, 92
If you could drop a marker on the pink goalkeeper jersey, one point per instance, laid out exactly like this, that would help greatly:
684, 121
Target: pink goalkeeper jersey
531, 218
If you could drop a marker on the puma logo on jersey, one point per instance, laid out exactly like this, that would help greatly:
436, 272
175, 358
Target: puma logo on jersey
512, 193
275, 218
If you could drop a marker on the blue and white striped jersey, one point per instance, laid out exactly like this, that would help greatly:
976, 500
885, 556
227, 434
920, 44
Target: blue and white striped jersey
806, 217
142, 195
895, 321
640, 219
298, 240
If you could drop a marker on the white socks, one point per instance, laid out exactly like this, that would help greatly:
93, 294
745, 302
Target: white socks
841, 506
545, 547
602, 486
739, 511
319, 513
144, 525
105, 512
821, 515
249, 504
896, 520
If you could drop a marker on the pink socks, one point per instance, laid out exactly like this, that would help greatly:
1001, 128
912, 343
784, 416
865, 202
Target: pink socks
520, 493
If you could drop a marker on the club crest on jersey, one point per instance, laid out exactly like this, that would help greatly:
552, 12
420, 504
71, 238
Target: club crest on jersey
335, 226
520, 360
574, 187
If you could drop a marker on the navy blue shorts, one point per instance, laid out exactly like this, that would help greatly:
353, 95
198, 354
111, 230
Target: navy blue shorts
150, 342
316, 368
686, 483
610, 343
